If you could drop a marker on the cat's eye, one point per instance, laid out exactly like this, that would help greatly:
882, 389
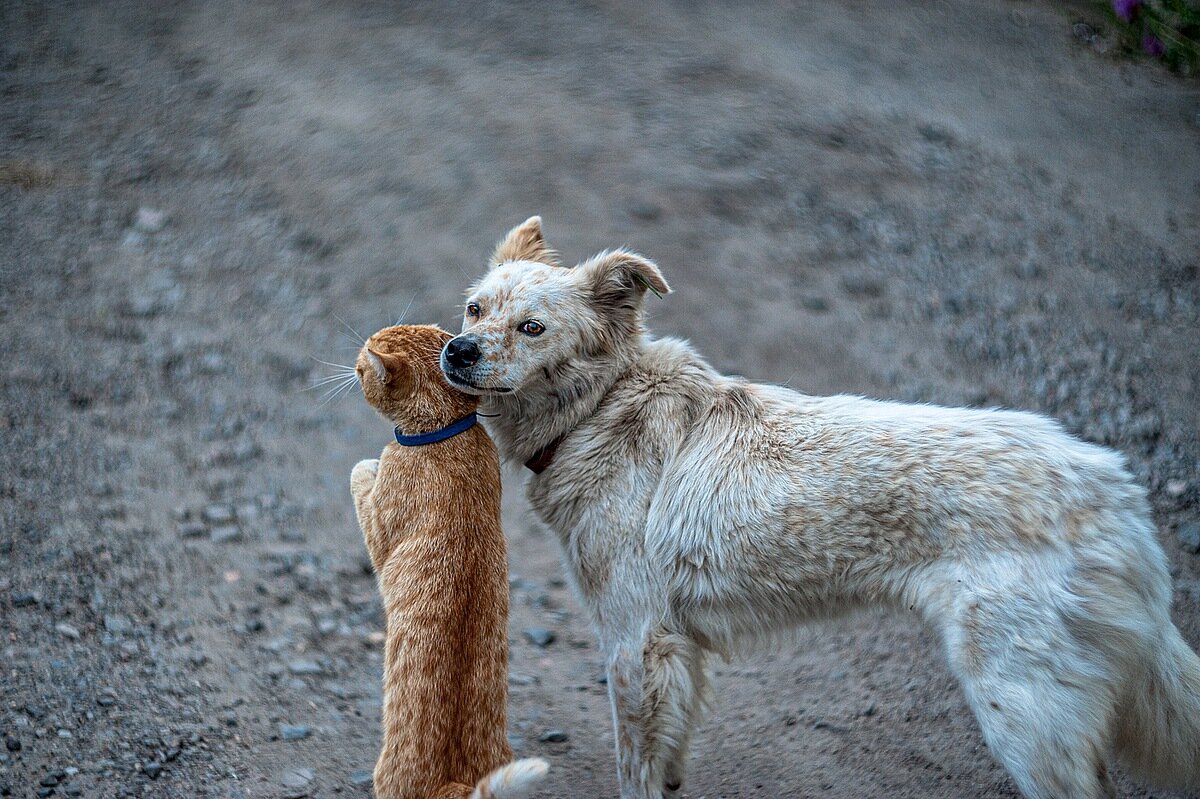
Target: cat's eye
532, 327
473, 310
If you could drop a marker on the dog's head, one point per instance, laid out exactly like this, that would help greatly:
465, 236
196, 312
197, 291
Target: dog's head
529, 317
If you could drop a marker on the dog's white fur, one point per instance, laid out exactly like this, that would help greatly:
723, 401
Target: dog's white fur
697, 512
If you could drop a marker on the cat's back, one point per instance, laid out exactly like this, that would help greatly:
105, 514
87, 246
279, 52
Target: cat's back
439, 505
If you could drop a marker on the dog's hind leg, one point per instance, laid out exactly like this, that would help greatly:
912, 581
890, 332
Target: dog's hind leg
654, 697
672, 702
1044, 701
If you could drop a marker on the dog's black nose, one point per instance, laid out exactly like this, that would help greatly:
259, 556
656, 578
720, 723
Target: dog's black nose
462, 352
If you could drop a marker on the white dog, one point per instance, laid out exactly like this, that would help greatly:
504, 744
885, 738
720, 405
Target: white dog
697, 512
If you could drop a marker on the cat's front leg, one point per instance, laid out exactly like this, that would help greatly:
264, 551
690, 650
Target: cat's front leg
362, 480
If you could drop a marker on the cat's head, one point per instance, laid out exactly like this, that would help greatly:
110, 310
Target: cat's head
401, 378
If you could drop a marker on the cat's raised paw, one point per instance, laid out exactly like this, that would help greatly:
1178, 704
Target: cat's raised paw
362, 476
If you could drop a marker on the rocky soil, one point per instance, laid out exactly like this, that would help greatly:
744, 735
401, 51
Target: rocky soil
966, 203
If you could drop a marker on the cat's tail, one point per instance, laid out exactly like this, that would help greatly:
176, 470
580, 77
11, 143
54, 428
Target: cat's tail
511, 781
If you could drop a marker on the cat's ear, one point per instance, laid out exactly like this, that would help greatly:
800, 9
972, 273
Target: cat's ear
388, 368
525, 242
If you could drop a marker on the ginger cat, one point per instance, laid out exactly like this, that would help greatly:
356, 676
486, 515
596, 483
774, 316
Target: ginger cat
429, 508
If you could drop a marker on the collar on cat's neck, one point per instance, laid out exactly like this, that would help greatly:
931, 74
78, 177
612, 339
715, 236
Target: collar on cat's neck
449, 431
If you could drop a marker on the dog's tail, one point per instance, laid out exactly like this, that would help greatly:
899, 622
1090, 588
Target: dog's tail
511, 781
1158, 730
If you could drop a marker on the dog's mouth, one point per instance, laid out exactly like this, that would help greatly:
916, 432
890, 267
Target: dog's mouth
464, 383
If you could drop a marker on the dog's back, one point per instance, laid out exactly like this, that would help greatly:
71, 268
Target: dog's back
1032, 552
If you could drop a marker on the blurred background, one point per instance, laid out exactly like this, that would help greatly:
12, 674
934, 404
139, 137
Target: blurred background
990, 203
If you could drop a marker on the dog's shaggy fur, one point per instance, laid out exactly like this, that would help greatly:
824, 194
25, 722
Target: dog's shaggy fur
697, 512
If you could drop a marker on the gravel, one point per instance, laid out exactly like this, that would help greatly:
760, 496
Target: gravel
189, 201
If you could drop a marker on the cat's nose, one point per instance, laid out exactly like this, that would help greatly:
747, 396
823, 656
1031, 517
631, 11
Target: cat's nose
462, 352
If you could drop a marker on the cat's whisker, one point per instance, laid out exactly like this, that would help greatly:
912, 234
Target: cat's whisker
342, 366
337, 390
324, 381
357, 336
404, 313
339, 379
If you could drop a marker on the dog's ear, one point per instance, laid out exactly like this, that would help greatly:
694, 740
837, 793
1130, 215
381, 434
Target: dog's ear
618, 282
525, 242
620, 274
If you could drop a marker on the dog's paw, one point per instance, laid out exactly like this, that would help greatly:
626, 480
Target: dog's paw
362, 477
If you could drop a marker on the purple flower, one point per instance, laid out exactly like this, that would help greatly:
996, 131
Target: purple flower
1127, 9
1152, 44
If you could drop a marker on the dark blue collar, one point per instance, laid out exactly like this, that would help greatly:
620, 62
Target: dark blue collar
449, 431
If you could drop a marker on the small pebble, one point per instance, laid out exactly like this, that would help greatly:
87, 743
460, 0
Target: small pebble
193, 530
362, 776
814, 302
226, 534
645, 211
67, 630
118, 625
539, 636
153, 769
12, 743
217, 513
1189, 536
296, 780
553, 737
25, 600
149, 220
304, 667
522, 679
294, 732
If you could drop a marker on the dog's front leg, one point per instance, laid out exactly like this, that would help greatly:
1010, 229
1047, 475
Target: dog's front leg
655, 695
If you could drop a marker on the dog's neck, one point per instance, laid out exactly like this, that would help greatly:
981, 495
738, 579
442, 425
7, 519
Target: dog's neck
543, 413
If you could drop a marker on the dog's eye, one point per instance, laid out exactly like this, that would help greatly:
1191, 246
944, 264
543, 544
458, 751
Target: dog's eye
473, 310
532, 327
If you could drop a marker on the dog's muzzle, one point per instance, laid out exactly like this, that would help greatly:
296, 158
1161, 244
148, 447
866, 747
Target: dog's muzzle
462, 352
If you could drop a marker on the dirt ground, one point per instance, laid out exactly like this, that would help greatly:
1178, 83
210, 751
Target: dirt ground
964, 203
